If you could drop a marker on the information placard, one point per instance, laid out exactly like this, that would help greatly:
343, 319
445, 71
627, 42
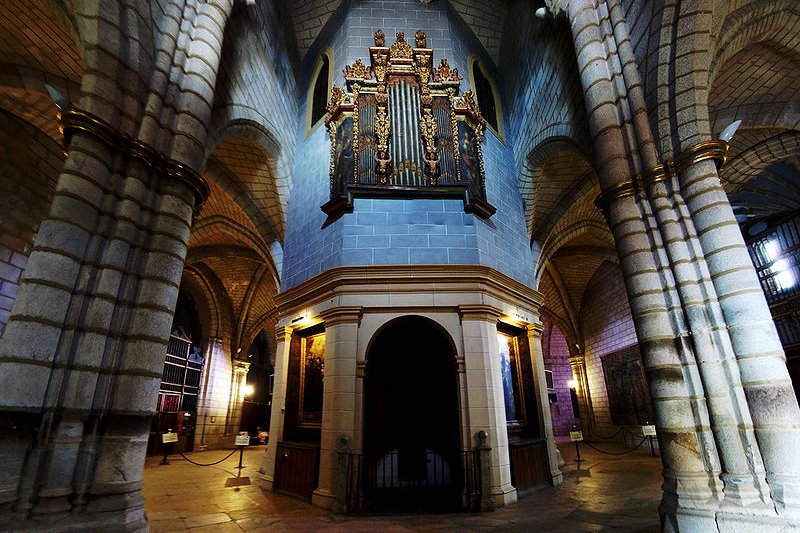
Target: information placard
168, 437
649, 431
242, 440
576, 436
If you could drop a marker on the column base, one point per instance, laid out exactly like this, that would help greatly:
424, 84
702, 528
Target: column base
323, 498
119, 513
696, 520
505, 496
267, 483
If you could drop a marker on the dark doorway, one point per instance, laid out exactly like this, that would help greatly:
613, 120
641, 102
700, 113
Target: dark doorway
412, 444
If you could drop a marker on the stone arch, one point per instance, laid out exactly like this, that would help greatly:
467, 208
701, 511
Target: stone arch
546, 200
428, 320
556, 241
682, 120
755, 159
206, 287
419, 427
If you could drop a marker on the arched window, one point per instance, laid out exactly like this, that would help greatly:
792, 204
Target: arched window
319, 91
488, 97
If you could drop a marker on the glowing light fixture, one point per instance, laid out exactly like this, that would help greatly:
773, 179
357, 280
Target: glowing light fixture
783, 275
249, 390
572, 384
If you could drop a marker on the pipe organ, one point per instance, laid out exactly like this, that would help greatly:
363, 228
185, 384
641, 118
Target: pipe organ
400, 128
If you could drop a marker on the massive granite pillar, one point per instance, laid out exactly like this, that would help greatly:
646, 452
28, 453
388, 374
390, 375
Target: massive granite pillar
82, 356
765, 381
723, 397
81, 359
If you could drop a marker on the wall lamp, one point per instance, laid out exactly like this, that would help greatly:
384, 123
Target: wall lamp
572, 384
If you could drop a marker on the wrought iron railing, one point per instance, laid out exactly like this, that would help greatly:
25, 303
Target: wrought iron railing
424, 481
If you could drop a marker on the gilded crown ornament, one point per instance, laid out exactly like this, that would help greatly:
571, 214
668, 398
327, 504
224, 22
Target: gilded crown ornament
358, 71
400, 48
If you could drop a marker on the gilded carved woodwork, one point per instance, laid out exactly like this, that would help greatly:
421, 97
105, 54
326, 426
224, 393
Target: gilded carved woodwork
358, 71
400, 128
400, 48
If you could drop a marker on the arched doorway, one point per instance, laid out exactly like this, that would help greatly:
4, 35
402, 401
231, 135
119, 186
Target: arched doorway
411, 424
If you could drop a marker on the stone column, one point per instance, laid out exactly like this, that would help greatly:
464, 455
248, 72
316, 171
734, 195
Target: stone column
692, 488
485, 394
212, 405
283, 334
577, 364
82, 356
238, 383
762, 363
338, 398
543, 401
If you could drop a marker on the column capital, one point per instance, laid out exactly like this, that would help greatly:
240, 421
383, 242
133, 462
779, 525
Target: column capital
283, 333
479, 312
241, 366
343, 315
535, 329
577, 360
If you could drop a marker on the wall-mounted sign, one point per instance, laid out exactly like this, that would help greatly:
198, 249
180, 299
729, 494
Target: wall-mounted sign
575, 436
649, 431
168, 437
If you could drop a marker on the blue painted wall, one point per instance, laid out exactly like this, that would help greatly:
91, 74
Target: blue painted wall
403, 232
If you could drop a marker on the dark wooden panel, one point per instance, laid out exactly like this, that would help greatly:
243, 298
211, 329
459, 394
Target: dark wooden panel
296, 468
529, 465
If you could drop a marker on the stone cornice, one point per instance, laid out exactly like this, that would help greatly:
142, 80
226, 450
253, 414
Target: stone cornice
479, 312
343, 315
407, 279
536, 329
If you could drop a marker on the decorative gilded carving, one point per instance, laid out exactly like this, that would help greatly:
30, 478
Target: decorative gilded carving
420, 39
427, 125
338, 98
356, 131
400, 48
332, 170
445, 74
402, 90
358, 71
382, 157
469, 104
423, 70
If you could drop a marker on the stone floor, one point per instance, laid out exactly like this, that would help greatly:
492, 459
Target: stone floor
602, 493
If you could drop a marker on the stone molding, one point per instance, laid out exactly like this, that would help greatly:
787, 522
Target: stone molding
405, 280
75, 120
713, 149
479, 312
343, 315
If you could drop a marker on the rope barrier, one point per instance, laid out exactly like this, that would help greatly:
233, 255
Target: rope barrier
598, 435
208, 464
616, 453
